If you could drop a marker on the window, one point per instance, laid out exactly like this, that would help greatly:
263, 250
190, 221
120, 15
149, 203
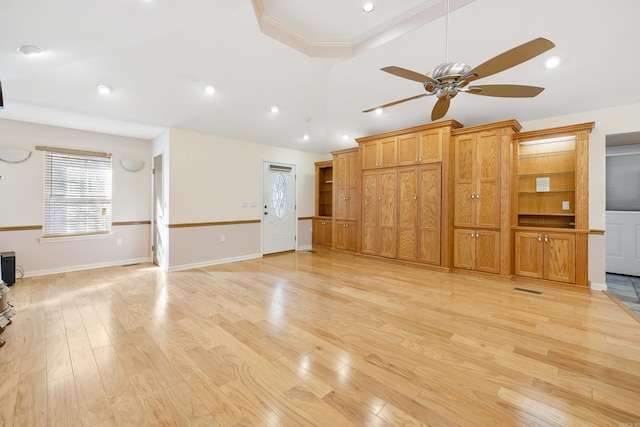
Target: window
77, 192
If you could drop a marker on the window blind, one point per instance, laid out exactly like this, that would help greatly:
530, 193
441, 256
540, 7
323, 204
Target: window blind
77, 192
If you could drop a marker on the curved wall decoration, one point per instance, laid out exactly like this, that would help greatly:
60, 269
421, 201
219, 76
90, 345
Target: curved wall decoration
132, 165
12, 155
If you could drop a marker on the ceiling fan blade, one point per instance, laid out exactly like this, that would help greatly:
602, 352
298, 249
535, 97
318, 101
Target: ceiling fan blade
408, 74
505, 91
396, 102
510, 58
440, 109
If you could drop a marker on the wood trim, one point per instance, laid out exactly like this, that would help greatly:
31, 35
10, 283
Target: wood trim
214, 224
622, 306
72, 151
571, 129
305, 218
597, 232
119, 224
345, 151
39, 227
21, 228
513, 124
435, 125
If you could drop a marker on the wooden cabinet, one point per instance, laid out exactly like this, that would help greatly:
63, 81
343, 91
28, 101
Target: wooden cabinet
551, 204
476, 250
379, 212
477, 179
420, 147
322, 231
346, 199
346, 233
346, 173
322, 227
379, 153
324, 188
419, 210
546, 255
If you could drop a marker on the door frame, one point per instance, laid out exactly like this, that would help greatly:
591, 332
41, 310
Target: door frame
262, 201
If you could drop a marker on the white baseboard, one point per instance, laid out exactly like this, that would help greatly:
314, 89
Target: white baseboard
85, 267
305, 248
213, 262
598, 286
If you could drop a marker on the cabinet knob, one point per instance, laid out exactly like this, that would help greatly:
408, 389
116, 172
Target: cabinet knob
546, 238
477, 196
416, 160
473, 196
419, 159
379, 197
539, 238
415, 197
346, 225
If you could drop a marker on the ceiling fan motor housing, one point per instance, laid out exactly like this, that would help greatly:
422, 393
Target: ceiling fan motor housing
448, 76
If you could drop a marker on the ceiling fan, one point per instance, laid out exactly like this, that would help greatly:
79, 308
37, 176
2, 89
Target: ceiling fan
448, 79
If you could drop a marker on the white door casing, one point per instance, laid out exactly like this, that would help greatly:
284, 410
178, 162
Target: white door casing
279, 208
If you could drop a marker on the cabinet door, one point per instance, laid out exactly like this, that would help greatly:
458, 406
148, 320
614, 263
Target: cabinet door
369, 152
464, 171
322, 232
388, 152
528, 254
464, 249
408, 151
429, 212
430, 147
346, 235
327, 232
407, 213
487, 251
560, 257
369, 212
353, 171
487, 186
387, 212
340, 185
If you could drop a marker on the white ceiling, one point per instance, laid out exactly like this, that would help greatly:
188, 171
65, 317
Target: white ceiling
318, 60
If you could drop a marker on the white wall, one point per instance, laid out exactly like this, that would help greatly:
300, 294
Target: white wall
210, 178
21, 204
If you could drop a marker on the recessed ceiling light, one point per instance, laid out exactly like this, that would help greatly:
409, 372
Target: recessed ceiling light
306, 136
345, 136
378, 111
275, 108
552, 61
103, 89
29, 50
368, 7
209, 89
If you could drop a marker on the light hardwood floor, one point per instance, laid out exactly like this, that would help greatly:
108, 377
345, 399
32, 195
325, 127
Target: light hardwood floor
312, 339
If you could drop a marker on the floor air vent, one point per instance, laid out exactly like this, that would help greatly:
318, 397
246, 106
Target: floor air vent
531, 291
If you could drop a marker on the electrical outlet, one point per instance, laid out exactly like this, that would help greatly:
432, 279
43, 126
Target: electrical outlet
222, 237
244, 204
565, 205
119, 242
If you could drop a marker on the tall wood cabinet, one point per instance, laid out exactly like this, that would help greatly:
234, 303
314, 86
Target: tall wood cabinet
419, 213
403, 194
550, 205
346, 167
322, 221
379, 204
481, 197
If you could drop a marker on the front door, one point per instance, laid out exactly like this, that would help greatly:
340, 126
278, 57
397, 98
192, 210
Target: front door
279, 203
